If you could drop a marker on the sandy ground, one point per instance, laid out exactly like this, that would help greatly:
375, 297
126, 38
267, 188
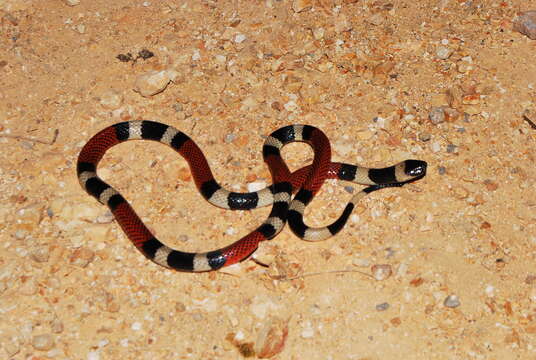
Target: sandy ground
373, 75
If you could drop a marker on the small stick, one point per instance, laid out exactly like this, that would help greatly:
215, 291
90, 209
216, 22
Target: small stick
527, 119
325, 272
19, 137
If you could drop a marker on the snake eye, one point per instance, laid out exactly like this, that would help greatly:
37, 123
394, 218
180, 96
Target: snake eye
415, 168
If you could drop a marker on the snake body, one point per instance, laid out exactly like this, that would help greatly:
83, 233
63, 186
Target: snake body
305, 182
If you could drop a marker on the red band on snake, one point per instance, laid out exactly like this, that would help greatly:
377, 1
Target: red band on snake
306, 181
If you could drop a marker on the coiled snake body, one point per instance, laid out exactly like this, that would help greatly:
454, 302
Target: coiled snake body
305, 182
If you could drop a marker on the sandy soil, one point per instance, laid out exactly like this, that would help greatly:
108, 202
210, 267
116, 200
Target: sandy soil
373, 75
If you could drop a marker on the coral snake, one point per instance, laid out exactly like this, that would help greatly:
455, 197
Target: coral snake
305, 182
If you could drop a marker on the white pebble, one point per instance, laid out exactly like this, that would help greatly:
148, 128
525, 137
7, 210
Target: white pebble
105, 218
136, 326
239, 38
220, 59
452, 301
291, 106
196, 55
443, 52
381, 271
72, 2
307, 333
43, 342
230, 231
490, 291
437, 115
467, 59
103, 343
239, 336
93, 355
532, 294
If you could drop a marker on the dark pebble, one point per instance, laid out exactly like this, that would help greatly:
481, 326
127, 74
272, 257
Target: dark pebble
382, 307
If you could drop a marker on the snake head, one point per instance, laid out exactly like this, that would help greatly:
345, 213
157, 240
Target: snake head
415, 168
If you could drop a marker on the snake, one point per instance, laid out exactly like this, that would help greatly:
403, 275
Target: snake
303, 183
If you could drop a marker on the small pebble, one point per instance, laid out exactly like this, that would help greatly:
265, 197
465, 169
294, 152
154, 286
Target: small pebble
11, 348
437, 115
105, 218
291, 106
436, 146
376, 19
425, 137
72, 2
382, 307
178, 107
229, 138
532, 294
490, 291
56, 326
153, 82
307, 333
525, 24
21, 234
451, 148
43, 342
381, 271
40, 255
464, 67
530, 279
82, 257
180, 307
451, 301
111, 100
443, 52
239, 38
93, 355
220, 59
441, 170
302, 5
318, 33
451, 114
